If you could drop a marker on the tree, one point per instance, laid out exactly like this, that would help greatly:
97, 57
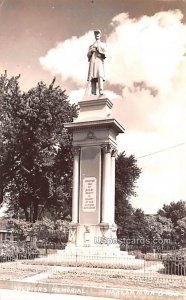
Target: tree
36, 168
140, 224
36, 156
174, 211
181, 230
159, 231
46, 229
127, 173
9, 91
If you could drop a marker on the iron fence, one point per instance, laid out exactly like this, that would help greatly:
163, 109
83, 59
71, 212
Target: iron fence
152, 267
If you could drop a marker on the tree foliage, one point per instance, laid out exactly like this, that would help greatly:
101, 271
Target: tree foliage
158, 227
46, 229
176, 211
35, 148
127, 218
36, 157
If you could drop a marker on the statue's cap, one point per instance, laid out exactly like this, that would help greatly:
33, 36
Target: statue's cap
97, 31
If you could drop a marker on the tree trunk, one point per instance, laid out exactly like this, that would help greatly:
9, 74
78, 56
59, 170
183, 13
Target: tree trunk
35, 212
26, 214
1, 195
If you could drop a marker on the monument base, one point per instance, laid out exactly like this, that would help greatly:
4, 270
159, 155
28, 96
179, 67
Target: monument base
94, 244
96, 257
92, 236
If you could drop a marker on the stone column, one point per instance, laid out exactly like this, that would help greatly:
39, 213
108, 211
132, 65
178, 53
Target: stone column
75, 191
106, 183
112, 204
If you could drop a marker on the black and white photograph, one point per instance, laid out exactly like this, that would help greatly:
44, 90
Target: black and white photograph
92, 149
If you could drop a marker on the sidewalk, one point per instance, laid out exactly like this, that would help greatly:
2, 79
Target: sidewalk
125, 294
18, 295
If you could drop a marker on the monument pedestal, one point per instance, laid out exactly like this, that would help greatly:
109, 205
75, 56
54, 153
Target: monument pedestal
92, 233
93, 201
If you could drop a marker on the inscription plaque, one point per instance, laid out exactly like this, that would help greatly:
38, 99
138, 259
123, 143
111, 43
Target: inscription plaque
89, 194
90, 185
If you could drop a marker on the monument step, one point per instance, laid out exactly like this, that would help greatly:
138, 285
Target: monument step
88, 252
119, 260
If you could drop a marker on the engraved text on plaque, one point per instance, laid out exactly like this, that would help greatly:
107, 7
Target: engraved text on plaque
89, 194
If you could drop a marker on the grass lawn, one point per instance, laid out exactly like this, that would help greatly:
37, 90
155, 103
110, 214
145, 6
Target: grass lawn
111, 278
97, 277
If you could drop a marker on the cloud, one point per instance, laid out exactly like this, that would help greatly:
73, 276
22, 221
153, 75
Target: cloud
148, 49
153, 125
68, 59
76, 95
145, 58
146, 61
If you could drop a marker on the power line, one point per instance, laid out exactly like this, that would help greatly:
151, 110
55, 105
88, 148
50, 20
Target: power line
162, 150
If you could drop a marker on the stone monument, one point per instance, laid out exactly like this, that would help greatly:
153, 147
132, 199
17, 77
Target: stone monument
93, 200
94, 132
92, 237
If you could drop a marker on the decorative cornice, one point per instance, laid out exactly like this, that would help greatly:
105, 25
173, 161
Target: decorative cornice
110, 123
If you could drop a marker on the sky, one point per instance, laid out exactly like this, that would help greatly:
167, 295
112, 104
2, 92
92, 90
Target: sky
145, 74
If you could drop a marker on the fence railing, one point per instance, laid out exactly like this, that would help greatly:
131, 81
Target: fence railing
151, 265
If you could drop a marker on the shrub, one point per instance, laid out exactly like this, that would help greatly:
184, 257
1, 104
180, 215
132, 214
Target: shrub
10, 251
